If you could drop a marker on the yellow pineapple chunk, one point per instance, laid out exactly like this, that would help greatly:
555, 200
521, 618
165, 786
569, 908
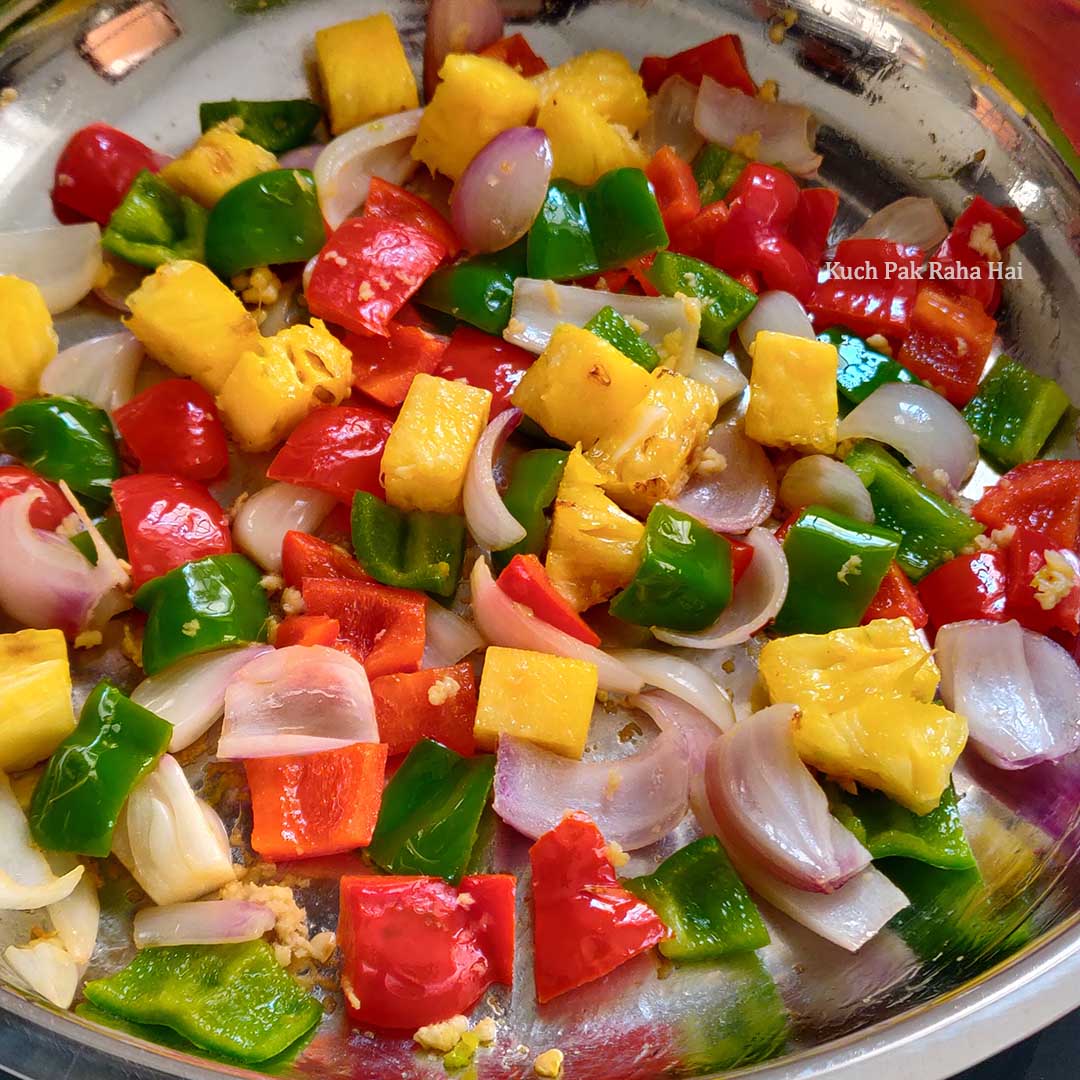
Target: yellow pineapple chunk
605, 80
217, 162
584, 145
27, 338
35, 697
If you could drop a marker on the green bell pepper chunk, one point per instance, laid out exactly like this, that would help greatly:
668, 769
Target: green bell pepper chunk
111, 532
231, 999
431, 811
703, 902
608, 324
932, 530
716, 169
276, 126
532, 489
861, 369
885, 828
86, 782
836, 566
201, 606
64, 438
1014, 412
267, 219
684, 579
725, 302
155, 225
414, 550
560, 243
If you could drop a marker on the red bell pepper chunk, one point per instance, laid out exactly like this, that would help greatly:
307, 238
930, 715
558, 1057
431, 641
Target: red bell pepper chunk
315, 804
415, 952
487, 362
307, 630
584, 923
388, 202
675, 188
304, 555
785, 526
46, 512
168, 521
174, 427
337, 449
1040, 495
698, 237
1025, 556
812, 222
368, 269
639, 274
424, 705
7, 398
949, 343
967, 587
896, 598
742, 555
382, 627
525, 580
518, 54
609, 281
721, 59
384, 368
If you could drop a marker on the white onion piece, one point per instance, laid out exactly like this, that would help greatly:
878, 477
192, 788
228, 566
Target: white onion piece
492, 526
723, 376
768, 799
540, 306
500, 193
63, 261
778, 312
671, 120
46, 968
757, 598
682, 679
449, 638
738, 497
818, 480
786, 133
457, 26
101, 370
173, 843
191, 694
1019, 691
124, 278
634, 801
923, 426
910, 220
302, 699
75, 918
260, 527
201, 922
301, 157
344, 169
503, 622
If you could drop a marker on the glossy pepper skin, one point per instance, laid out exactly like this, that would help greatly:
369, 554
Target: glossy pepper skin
384, 368
675, 187
862, 369
1040, 495
86, 782
526, 581
517, 53
716, 169
199, 607
684, 579
388, 202
46, 512
720, 59
608, 324
486, 362
896, 598
967, 587
478, 291
532, 489
63, 438
233, 999
304, 555
270, 218
276, 126
155, 225
436, 703
1025, 557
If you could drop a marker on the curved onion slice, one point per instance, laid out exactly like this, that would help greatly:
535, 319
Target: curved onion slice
76, 917
682, 679
298, 700
500, 193
457, 26
1019, 691
123, 279
758, 597
201, 922
504, 622
173, 843
101, 370
634, 801
191, 694
344, 169
738, 497
46, 968
786, 132
910, 220
63, 261
449, 638
671, 120
493, 527
264, 519
923, 426
818, 480
301, 157
762, 793
722, 375
778, 312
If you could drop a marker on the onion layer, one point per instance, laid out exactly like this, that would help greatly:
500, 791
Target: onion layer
202, 922
63, 261
682, 679
457, 26
910, 220
778, 312
722, 375
449, 637
46, 968
265, 518
671, 120
493, 527
101, 370
75, 918
818, 480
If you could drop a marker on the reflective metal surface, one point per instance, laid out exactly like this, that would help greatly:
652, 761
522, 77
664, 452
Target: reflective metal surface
902, 112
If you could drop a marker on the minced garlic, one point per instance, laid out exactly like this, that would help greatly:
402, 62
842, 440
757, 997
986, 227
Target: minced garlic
880, 343
442, 1037
616, 856
549, 1064
551, 294
749, 146
851, 568
983, 241
485, 1030
712, 462
294, 941
8, 96
190, 628
88, 639
1054, 581
768, 91
272, 583
440, 692
292, 601
258, 286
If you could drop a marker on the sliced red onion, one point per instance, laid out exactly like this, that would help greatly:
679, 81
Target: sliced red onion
503, 622
191, 694
818, 480
785, 133
500, 193
124, 278
298, 700
634, 801
682, 679
923, 426
449, 637
46, 968
63, 261
778, 312
910, 220
738, 497
265, 518
768, 799
101, 370
671, 120
301, 157
457, 26
1019, 691
344, 169
721, 374
493, 527
75, 918
201, 922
